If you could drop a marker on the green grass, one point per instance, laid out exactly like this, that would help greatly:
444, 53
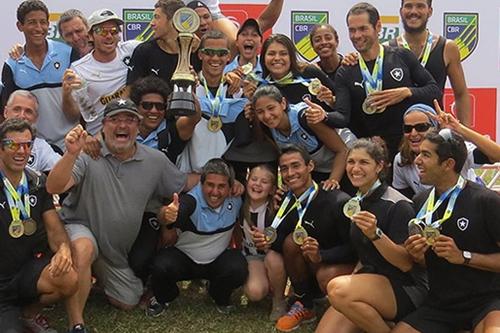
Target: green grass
191, 312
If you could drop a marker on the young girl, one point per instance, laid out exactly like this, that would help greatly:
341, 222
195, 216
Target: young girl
288, 124
384, 286
266, 269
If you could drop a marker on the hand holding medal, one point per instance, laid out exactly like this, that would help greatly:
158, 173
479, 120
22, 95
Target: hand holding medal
260, 239
310, 249
446, 248
366, 222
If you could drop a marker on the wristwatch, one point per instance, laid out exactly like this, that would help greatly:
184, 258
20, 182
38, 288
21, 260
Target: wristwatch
378, 234
467, 257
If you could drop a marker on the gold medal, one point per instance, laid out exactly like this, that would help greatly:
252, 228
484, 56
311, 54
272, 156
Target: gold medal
270, 234
351, 207
214, 124
314, 86
415, 227
299, 235
430, 234
247, 68
367, 108
29, 226
16, 228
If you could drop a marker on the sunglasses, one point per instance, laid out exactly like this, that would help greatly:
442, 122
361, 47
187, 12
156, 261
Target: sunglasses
103, 32
14, 146
420, 127
214, 52
149, 105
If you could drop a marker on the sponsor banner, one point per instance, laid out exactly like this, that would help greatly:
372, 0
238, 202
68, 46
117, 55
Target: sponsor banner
137, 24
390, 28
463, 28
302, 24
483, 109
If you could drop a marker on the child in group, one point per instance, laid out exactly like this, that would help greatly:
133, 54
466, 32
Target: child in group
265, 267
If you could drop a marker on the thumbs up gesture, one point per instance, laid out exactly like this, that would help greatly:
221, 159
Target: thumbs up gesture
314, 113
169, 212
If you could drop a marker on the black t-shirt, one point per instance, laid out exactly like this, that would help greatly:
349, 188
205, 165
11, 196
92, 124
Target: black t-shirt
400, 69
149, 59
325, 221
435, 64
331, 75
474, 227
393, 211
15, 252
169, 141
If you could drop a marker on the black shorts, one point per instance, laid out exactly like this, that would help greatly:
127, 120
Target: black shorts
404, 304
21, 290
429, 319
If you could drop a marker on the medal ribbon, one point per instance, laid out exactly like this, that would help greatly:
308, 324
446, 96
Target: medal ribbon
427, 50
429, 207
360, 196
301, 211
216, 101
16, 206
373, 81
288, 79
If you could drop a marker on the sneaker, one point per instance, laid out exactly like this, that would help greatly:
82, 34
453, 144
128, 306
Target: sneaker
296, 316
78, 328
278, 310
224, 309
38, 324
155, 308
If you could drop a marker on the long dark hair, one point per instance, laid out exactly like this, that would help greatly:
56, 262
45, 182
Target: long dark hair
296, 66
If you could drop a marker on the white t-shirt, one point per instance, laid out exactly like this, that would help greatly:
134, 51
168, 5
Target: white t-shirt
43, 157
105, 81
407, 176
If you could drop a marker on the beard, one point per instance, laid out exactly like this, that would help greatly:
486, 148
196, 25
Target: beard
413, 30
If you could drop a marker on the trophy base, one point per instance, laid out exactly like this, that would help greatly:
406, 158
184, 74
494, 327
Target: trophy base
181, 103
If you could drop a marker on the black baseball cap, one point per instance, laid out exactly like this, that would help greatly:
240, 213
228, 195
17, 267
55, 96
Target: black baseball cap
121, 105
251, 22
197, 4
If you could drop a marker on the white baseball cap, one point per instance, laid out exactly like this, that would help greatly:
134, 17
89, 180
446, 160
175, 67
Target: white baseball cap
101, 16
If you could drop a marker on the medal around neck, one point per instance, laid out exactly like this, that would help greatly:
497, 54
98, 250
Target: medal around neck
247, 68
299, 235
314, 86
351, 207
270, 235
16, 228
415, 227
29, 226
214, 124
431, 234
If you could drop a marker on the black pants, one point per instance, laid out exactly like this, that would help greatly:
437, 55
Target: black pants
226, 273
142, 253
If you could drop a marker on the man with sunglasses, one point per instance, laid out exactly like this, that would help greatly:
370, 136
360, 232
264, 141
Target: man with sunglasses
100, 76
158, 128
222, 112
40, 70
22, 104
107, 199
35, 257
456, 236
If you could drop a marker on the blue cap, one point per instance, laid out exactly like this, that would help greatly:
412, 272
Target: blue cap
424, 108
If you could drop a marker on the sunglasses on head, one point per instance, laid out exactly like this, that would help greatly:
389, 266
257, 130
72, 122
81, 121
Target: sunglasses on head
103, 32
420, 127
14, 146
149, 105
214, 52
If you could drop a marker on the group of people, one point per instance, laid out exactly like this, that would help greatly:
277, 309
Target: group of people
324, 174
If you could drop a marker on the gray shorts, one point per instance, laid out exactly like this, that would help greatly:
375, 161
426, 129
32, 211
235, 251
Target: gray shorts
120, 284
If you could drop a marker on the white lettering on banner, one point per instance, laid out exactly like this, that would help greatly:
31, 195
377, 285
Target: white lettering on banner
453, 29
301, 28
133, 26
